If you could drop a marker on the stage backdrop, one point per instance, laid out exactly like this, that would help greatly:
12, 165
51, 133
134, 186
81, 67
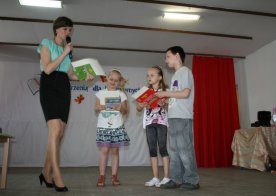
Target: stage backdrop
21, 116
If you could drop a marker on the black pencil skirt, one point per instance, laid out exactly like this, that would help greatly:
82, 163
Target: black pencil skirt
55, 95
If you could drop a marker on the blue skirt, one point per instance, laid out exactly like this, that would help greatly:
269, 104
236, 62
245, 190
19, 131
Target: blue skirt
112, 137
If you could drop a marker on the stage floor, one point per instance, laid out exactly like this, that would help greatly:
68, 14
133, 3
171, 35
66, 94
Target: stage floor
81, 181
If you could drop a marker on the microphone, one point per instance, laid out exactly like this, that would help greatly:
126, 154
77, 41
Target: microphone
68, 40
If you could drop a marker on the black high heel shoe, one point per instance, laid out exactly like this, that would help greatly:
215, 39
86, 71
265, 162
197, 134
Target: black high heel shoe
60, 189
42, 179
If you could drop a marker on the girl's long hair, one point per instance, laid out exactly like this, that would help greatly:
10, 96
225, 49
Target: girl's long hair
162, 84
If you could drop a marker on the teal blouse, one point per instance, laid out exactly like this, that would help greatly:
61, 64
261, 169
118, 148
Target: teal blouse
55, 51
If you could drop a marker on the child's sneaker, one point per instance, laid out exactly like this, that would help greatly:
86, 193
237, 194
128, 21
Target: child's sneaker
164, 181
152, 182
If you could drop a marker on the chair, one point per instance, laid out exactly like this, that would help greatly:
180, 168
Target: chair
4, 138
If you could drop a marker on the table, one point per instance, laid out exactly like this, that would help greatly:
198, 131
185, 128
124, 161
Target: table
4, 138
252, 147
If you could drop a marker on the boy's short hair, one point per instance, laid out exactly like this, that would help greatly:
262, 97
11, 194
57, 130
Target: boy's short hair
179, 50
62, 21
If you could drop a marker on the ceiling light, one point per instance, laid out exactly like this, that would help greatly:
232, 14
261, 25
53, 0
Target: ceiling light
42, 3
181, 16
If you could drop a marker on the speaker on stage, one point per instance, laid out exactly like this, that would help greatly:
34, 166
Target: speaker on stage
264, 118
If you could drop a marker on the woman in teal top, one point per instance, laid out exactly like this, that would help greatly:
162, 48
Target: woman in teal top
55, 51
55, 96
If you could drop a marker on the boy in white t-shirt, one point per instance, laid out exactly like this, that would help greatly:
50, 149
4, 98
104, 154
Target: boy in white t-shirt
183, 167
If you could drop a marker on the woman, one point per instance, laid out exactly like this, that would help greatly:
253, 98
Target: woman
55, 95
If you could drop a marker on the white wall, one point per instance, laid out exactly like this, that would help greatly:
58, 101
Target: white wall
241, 85
256, 79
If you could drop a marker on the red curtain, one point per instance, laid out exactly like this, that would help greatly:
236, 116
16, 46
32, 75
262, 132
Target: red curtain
215, 110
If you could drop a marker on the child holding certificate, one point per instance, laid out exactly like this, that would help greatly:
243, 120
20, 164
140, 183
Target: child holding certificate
155, 122
111, 105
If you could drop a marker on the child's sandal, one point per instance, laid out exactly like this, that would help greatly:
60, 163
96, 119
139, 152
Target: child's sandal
115, 181
101, 181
